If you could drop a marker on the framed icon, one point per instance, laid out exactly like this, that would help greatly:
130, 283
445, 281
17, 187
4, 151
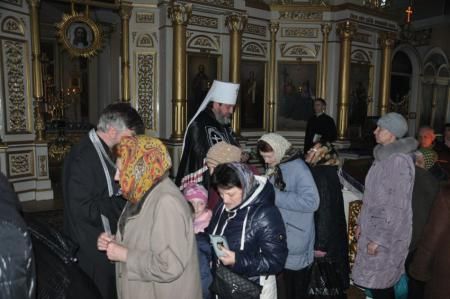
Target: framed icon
79, 35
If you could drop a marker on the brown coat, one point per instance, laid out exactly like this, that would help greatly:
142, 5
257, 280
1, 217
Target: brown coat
431, 262
162, 260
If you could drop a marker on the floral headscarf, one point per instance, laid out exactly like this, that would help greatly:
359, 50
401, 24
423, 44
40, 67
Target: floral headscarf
322, 154
144, 161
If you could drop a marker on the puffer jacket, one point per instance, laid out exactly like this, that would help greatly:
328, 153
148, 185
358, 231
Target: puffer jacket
258, 223
386, 216
17, 270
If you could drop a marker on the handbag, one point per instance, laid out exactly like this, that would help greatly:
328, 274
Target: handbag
324, 282
230, 285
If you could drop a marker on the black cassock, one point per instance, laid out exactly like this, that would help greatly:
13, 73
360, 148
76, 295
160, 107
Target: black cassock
85, 199
202, 134
322, 125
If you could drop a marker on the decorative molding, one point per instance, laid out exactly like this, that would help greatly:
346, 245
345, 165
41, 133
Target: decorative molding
362, 38
221, 3
254, 49
12, 25
144, 41
43, 166
203, 42
299, 51
361, 57
301, 15
299, 32
14, 2
255, 29
145, 86
203, 21
372, 21
15, 72
20, 164
145, 17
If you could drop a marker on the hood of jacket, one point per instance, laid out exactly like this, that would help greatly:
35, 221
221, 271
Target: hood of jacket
401, 146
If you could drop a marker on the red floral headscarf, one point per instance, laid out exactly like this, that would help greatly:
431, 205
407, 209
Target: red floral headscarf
144, 161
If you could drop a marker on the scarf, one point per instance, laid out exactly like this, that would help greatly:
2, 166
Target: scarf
201, 222
145, 161
246, 177
322, 154
104, 157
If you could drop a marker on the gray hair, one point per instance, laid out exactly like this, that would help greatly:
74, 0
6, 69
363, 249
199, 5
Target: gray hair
120, 116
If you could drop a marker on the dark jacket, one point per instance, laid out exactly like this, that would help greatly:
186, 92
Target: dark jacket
58, 274
204, 260
17, 274
265, 248
426, 189
322, 125
431, 261
329, 219
201, 135
85, 199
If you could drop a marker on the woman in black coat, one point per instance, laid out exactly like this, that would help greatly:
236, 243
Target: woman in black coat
251, 224
331, 228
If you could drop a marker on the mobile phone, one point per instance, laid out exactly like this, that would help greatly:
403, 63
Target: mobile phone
106, 226
218, 242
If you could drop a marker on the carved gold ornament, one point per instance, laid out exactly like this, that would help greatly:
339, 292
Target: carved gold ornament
79, 34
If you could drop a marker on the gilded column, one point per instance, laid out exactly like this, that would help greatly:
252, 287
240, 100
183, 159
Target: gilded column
39, 125
324, 69
386, 40
346, 31
180, 14
236, 24
125, 14
273, 27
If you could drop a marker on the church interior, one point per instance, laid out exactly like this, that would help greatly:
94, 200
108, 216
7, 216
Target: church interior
63, 61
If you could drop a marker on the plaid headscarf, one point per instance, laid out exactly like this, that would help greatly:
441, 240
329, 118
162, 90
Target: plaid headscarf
322, 154
246, 178
144, 161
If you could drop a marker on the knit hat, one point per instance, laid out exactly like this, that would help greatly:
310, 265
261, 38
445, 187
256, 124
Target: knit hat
223, 152
193, 192
394, 123
279, 144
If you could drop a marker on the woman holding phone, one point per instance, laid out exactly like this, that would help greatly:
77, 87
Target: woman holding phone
251, 224
155, 247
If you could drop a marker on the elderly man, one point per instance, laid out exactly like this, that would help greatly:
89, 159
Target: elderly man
210, 125
90, 191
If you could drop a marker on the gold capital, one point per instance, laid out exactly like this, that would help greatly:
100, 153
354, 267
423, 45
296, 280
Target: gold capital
236, 22
180, 13
346, 30
387, 39
125, 10
274, 27
325, 28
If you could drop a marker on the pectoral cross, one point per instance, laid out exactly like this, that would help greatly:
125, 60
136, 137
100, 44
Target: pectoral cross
409, 13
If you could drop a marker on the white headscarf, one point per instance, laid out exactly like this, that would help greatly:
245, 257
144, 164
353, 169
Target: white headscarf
279, 144
220, 92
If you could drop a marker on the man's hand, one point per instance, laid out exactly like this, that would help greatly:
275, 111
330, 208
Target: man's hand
103, 240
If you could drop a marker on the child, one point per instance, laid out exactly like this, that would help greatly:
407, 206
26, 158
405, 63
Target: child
197, 196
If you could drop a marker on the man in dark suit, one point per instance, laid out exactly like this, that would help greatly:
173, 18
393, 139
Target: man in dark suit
90, 191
